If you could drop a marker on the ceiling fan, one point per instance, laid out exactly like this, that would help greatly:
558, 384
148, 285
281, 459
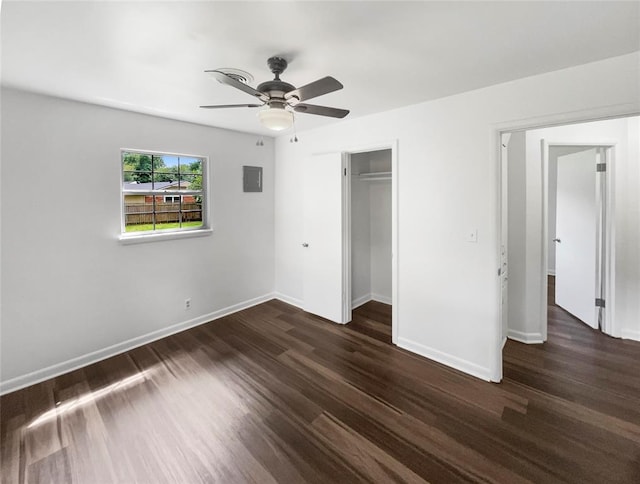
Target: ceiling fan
281, 98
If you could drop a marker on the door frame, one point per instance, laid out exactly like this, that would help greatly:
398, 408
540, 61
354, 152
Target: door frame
609, 231
346, 199
547, 121
503, 239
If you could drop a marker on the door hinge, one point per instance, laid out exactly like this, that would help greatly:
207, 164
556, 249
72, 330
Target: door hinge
601, 167
599, 302
345, 172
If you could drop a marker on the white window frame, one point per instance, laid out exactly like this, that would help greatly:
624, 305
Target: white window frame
165, 234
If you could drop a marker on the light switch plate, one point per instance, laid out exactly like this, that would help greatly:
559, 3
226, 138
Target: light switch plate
472, 235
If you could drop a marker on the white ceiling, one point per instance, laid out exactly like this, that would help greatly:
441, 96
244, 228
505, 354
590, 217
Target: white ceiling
150, 56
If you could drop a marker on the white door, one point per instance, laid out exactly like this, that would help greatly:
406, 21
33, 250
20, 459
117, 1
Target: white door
325, 290
576, 231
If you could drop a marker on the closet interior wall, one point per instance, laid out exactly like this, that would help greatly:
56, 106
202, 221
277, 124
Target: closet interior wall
371, 227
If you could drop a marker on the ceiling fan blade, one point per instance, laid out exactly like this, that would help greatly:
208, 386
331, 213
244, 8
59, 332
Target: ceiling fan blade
230, 81
321, 110
218, 106
317, 88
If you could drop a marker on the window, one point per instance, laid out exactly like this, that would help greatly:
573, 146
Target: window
162, 193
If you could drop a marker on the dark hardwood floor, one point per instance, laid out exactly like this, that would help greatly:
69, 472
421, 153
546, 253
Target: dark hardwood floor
272, 394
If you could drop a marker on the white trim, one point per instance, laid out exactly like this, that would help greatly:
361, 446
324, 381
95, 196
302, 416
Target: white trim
544, 242
57, 369
613, 111
382, 299
152, 152
464, 366
395, 229
630, 334
356, 303
130, 238
528, 338
500, 154
345, 206
299, 303
551, 273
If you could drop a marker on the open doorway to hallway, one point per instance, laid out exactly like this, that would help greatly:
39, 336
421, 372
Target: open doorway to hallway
534, 246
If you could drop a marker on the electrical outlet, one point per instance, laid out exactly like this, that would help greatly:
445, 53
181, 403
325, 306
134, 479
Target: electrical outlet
187, 303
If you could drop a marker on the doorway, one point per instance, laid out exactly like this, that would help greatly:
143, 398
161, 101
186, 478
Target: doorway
371, 236
611, 149
577, 246
327, 244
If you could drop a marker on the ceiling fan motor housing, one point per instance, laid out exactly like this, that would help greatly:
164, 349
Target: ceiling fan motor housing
276, 88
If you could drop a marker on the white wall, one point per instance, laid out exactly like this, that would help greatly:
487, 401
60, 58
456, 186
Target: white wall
69, 287
624, 132
360, 231
448, 289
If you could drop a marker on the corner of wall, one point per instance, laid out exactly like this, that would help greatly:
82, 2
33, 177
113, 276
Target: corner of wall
522, 337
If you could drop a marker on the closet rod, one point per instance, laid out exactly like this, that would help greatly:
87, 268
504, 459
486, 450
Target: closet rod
379, 175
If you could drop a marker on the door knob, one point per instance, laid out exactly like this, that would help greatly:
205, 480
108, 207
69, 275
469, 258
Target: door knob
558, 241
305, 244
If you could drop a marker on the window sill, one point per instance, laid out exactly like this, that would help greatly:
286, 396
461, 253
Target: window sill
127, 239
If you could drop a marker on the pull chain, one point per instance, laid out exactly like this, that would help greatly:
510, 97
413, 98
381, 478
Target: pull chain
295, 135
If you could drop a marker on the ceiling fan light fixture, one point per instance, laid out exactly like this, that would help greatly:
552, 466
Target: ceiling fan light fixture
275, 118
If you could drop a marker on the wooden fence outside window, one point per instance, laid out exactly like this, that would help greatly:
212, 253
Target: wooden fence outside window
165, 213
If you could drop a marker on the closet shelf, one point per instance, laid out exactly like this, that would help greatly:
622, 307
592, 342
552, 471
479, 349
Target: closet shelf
377, 175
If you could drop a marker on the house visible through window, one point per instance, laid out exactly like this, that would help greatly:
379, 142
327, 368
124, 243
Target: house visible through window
162, 192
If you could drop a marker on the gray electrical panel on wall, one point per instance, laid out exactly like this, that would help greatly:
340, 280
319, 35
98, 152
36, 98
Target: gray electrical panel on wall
252, 178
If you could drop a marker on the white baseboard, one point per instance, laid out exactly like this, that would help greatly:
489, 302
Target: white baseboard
529, 338
630, 334
81, 361
288, 299
356, 303
464, 366
381, 299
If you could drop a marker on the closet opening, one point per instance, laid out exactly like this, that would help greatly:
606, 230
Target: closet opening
371, 247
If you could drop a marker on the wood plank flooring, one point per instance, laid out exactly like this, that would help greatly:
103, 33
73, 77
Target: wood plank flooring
272, 394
